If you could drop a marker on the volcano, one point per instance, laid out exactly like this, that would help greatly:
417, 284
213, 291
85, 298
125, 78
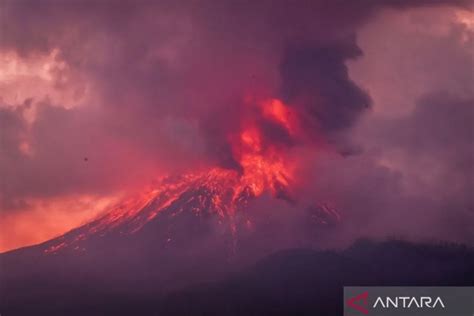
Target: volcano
189, 229
179, 213
186, 229
212, 198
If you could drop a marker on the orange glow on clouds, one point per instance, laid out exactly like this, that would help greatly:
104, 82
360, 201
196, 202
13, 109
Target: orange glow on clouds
42, 220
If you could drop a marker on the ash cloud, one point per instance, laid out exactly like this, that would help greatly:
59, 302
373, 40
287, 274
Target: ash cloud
316, 79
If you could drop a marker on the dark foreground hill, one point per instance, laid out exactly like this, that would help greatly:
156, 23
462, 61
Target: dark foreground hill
291, 282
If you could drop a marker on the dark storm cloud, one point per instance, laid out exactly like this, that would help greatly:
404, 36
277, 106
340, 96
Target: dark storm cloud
316, 78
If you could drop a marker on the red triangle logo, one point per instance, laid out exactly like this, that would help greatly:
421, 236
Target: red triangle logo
359, 302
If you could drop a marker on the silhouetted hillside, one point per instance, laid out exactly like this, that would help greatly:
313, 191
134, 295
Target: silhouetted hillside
291, 282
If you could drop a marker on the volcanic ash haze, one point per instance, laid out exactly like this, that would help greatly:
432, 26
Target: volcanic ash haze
196, 226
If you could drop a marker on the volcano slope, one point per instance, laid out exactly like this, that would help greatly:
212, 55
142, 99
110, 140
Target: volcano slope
193, 228
196, 245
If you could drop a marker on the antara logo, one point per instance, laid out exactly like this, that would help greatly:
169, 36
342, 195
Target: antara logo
409, 302
360, 302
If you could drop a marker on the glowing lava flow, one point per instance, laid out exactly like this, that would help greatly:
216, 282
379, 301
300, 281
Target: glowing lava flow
263, 164
218, 191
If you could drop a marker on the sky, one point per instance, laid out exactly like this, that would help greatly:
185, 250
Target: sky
99, 99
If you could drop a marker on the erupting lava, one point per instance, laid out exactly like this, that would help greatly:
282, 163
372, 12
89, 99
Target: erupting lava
263, 165
217, 191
